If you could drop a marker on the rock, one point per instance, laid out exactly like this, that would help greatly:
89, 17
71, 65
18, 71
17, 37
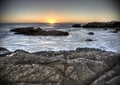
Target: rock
112, 77
91, 33
76, 25
89, 40
105, 28
4, 52
95, 25
80, 67
113, 24
115, 31
55, 33
38, 31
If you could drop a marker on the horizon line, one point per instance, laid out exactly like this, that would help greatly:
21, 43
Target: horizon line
54, 23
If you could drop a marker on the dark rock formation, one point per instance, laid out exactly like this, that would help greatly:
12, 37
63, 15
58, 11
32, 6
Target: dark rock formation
80, 67
76, 25
4, 52
113, 24
111, 77
115, 31
95, 25
38, 31
118, 29
105, 28
91, 33
89, 40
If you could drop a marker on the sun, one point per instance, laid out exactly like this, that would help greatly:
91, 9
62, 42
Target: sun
51, 20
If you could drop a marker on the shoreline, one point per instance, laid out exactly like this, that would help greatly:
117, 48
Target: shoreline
4, 51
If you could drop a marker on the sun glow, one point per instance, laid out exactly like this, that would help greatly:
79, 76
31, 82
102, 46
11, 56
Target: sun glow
51, 21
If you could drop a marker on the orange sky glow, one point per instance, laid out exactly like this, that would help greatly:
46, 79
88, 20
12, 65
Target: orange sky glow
57, 11
57, 18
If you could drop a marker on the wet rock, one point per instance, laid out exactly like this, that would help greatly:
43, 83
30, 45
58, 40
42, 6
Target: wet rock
55, 33
105, 28
90, 33
38, 31
89, 40
113, 24
4, 52
76, 25
80, 67
115, 31
95, 25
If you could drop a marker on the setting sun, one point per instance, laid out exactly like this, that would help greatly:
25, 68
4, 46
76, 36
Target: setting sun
51, 21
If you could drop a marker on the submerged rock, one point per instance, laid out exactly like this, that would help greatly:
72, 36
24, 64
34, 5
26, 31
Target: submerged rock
80, 67
89, 40
91, 33
38, 31
115, 31
76, 25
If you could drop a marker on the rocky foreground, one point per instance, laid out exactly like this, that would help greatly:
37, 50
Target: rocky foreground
84, 66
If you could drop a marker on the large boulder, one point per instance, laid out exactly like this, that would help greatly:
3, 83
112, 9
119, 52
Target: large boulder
38, 31
113, 24
80, 67
76, 25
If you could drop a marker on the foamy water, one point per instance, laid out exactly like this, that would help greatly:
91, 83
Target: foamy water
102, 39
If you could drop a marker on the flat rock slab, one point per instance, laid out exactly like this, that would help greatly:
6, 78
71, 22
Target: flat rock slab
80, 67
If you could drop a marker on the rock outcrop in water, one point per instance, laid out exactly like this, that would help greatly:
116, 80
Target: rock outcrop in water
89, 40
114, 31
90, 33
81, 67
76, 25
113, 24
38, 31
4, 51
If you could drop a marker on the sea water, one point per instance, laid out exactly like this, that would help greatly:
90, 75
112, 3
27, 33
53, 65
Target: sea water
102, 39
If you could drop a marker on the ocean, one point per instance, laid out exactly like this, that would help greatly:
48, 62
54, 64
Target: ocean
102, 39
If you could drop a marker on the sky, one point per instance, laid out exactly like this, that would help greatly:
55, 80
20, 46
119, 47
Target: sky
57, 11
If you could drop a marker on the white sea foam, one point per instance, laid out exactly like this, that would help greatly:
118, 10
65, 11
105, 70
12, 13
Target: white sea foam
101, 39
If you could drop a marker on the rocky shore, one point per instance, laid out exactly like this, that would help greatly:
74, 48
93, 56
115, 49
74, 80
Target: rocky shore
84, 66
